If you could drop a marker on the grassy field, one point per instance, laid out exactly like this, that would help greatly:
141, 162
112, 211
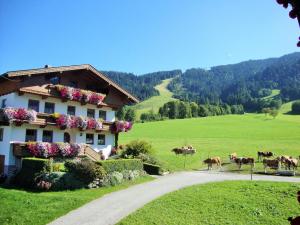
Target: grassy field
219, 136
231, 202
155, 102
22, 207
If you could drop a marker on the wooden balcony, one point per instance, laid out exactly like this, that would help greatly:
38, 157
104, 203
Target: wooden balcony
43, 120
20, 151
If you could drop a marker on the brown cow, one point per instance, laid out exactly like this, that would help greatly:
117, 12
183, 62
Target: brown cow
272, 164
261, 155
244, 161
291, 163
177, 151
288, 161
211, 161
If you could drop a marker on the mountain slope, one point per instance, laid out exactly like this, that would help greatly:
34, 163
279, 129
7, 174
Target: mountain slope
155, 102
244, 83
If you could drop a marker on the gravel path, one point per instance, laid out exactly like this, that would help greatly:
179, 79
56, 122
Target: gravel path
113, 207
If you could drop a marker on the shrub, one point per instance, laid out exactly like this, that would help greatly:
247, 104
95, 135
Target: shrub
85, 170
296, 107
31, 168
120, 165
113, 179
148, 159
152, 169
59, 181
137, 147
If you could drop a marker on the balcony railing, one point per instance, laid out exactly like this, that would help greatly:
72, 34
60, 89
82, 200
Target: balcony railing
20, 150
45, 119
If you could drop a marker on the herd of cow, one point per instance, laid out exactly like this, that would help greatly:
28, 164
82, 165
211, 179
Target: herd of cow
268, 159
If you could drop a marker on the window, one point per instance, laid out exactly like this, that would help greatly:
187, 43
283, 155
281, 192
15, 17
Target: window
53, 79
74, 84
101, 139
3, 104
67, 137
102, 114
1, 134
47, 136
91, 113
71, 110
34, 105
30, 135
90, 139
49, 107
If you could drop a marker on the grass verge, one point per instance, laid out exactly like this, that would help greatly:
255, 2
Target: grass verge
23, 207
230, 202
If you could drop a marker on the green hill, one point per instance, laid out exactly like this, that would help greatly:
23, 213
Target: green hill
155, 102
219, 136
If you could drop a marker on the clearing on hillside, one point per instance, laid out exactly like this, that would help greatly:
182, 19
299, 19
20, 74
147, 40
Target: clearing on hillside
155, 102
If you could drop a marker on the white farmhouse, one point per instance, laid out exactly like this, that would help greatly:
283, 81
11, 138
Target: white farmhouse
78, 92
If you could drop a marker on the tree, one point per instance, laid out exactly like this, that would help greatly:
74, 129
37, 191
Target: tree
274, 113
296, 107
295, 12
266, 111
194, 109
130, 114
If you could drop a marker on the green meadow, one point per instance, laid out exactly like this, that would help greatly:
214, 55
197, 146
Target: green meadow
219, 136
230, 202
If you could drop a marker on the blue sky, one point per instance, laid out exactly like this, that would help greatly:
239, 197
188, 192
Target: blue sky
142, 36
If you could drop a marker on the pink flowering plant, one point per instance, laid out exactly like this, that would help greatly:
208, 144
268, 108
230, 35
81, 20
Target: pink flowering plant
122, 126
80, 95
46, 149
69, 122
19, 114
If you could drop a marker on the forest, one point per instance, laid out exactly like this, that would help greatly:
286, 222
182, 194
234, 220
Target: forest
245, 83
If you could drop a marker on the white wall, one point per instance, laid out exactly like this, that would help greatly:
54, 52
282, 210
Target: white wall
14, 100
15, 134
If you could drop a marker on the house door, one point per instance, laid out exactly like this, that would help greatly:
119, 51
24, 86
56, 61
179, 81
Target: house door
70, 137
2, 159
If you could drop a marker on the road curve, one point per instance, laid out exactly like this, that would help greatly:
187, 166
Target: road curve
113, 207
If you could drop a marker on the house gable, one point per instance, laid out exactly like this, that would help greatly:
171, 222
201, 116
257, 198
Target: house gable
38, 81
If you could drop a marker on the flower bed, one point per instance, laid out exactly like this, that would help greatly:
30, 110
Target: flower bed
68, 122
80, 95
122, 126
19, 114
46, 149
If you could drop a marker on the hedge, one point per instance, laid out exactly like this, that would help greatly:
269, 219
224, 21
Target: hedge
151, 169
31, 167
120, 165
36, 164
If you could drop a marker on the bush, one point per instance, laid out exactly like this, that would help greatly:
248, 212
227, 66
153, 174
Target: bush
85, 170
137, 147
148, 159
152, 169
120, 165
59, 181
296, 107
113, 179
31, 168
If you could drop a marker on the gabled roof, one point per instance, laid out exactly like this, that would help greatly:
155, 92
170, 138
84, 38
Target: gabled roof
20, 73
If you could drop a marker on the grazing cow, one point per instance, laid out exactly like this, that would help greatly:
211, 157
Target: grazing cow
288, 161
272, 164
232, 157
177, 151
244, 161
291, 163
261, 155
186, 150
211, 161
